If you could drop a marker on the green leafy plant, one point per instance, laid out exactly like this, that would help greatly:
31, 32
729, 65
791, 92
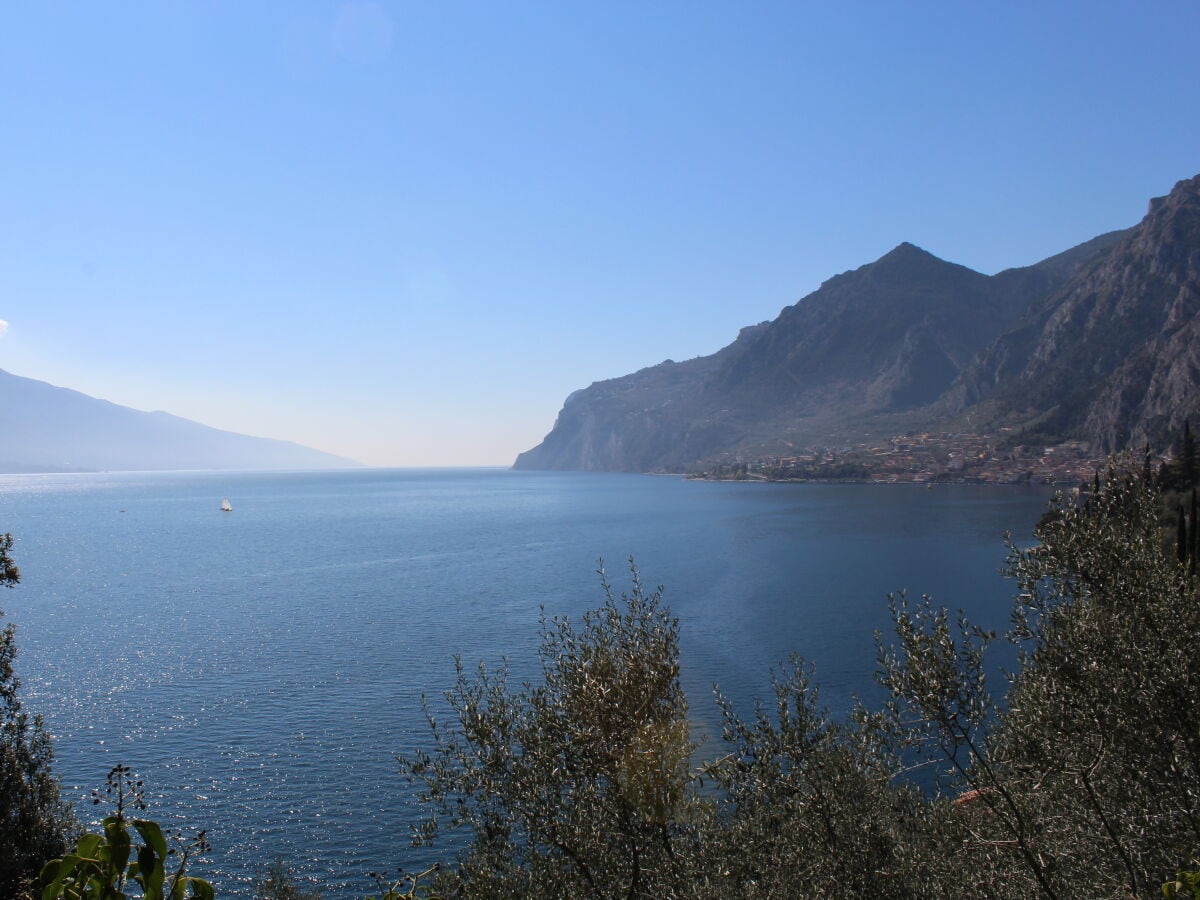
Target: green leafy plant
1185, 884
101, 868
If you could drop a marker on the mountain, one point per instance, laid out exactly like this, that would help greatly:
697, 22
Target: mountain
865, 354
44, 428
1113, 357
654, 418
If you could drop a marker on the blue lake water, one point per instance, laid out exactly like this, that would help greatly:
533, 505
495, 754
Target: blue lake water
261, 669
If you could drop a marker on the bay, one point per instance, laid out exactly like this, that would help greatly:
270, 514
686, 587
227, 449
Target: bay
261, 669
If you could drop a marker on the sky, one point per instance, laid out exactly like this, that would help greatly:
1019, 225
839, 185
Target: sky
405, 232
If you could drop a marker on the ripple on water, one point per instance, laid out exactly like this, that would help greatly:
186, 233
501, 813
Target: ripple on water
261, 670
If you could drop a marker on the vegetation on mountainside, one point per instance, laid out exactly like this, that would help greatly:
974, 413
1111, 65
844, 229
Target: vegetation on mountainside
1180, 505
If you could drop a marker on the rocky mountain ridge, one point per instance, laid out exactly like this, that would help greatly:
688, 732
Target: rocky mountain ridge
1113, 357
871, 352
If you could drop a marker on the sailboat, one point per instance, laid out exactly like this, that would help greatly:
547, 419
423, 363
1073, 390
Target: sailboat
226, 506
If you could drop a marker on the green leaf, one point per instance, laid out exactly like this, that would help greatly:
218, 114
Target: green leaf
76, 877
153, 836
151, 859
89, 845
53, 874
119, 843
149, 872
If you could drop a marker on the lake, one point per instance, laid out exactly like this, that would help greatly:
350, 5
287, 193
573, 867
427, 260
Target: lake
261, 669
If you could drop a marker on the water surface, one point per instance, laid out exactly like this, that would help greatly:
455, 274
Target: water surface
262, 668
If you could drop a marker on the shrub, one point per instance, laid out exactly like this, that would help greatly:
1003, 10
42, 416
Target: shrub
34, 821
99, 868
1089, 773
579, 786
279, 883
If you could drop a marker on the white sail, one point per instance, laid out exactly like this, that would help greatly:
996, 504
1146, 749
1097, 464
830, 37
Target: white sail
226, 506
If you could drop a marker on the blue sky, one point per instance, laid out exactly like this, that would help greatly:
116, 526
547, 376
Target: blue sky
405, 232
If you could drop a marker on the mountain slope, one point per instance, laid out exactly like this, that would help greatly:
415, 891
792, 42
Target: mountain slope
888, 336
1114, 356
870, 349
44, 428
653, 418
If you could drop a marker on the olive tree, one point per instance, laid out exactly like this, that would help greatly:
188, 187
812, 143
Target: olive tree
812, 805
1088, 774
578, 785
1104, 716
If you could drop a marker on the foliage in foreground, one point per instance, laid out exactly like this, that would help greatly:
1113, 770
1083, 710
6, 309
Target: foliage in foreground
1082, 780
100, 868
279, 883
581, 782
34, 822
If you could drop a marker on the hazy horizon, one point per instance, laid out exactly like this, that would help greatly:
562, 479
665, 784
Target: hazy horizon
404, 235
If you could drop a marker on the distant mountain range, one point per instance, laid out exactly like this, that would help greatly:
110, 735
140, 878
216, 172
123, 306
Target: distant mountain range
44, 428
1098, 343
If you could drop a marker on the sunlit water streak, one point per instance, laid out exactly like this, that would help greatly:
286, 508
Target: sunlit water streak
262, 668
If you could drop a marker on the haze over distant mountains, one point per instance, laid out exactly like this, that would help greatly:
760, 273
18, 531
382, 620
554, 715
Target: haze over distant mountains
44, 428
1100, 342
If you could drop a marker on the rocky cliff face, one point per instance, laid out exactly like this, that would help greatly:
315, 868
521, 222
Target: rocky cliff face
872, 346
1114, 355
652, 419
